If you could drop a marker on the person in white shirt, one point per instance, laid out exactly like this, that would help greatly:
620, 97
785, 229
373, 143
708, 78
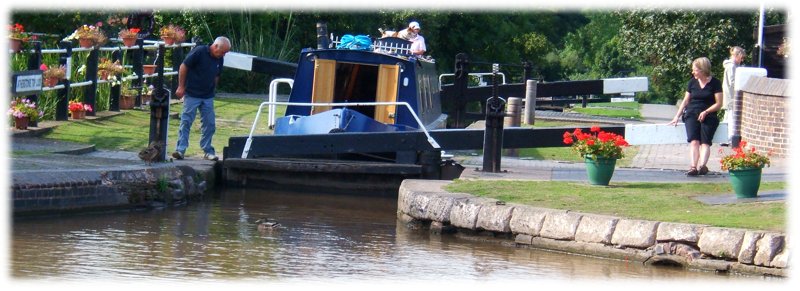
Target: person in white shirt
730, 65
417, 41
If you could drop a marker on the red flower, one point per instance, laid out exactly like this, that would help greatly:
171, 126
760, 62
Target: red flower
598, 143
742, 159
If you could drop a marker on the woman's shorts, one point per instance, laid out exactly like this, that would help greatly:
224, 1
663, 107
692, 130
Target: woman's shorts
702, 131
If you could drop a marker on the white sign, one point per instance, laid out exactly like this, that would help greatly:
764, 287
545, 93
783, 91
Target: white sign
28, 83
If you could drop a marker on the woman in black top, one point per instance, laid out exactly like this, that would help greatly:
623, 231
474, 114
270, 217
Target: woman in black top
699, 111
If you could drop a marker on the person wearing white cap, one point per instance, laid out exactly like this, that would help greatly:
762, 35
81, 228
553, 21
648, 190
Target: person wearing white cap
412, 34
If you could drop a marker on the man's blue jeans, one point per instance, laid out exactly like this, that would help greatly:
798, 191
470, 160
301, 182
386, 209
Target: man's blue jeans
207, 123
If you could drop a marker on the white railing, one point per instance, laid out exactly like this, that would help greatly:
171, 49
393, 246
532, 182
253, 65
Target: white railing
273, 96
381, 46
152, 46
249, 141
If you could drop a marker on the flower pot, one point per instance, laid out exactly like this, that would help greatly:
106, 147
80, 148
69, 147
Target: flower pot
15, 45
129, 41
168, 40
149, 69
78, 114
745, 182
21, 122
51, 82
85, 42
126, 102
146, 99
599, 170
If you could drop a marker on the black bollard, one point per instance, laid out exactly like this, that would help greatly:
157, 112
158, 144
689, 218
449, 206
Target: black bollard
430, 162
159, 108
493, 134
461, 81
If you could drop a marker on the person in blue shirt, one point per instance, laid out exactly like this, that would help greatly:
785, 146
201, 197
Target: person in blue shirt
197, 82
699, 108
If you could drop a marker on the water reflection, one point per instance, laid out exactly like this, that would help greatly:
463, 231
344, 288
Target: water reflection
322, 237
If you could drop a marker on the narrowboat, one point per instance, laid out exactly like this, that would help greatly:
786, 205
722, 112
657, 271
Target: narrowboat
357, 121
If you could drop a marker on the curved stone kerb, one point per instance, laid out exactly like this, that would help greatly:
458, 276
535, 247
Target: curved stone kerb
721, 242
635, 233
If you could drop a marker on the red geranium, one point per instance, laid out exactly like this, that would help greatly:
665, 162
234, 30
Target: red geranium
743, 159
597, 143
79, 106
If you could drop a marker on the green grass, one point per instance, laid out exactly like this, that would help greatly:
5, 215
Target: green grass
669, 202
612, 109
628, 105
130, 131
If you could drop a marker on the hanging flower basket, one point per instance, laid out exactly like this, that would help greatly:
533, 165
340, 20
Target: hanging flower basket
51, 82
15, 45
85, 42
149, 69
129, 41
168, 40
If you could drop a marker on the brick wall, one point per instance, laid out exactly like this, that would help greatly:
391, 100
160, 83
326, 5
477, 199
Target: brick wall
765, 120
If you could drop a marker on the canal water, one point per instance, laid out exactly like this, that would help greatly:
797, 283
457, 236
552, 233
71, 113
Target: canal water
321, 238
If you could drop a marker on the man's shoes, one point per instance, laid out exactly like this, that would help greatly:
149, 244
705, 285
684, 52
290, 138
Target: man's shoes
211, 157
703, 170
177, 155
724, 144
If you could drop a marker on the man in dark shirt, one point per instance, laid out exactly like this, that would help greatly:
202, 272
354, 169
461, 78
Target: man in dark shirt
197, 81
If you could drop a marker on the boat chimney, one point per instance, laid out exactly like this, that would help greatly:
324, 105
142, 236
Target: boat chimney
322, 35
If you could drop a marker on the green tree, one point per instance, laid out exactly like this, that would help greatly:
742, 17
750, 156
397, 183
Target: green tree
665, 42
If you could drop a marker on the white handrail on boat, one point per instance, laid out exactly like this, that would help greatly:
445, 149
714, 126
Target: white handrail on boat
273, 96
249, 141
380, 46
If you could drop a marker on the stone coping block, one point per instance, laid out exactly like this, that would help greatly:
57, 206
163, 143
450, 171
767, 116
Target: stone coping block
635, 233
528, 219
414, 195
768, 247
560, 225
747, 252
679, 232
721, 242
595, 228
464, 213
495, 218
